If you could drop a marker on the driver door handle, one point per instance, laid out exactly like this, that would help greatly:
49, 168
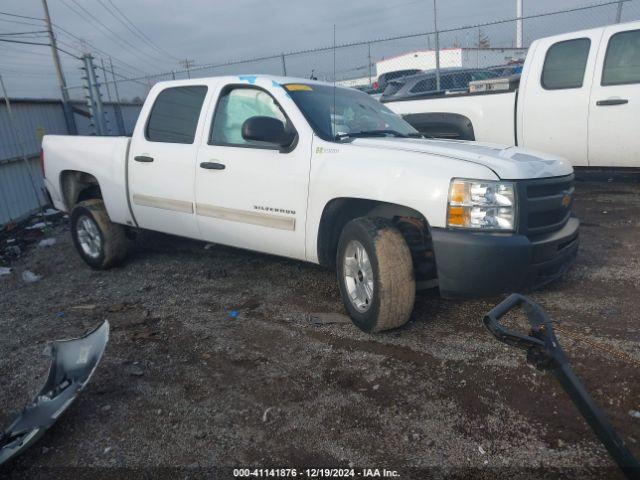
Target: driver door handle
143, 159
611, 101
212, 166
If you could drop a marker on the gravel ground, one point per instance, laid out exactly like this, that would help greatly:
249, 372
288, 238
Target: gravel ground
221, 357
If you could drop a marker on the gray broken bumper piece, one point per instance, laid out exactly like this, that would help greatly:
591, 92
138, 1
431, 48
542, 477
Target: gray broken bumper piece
72, 365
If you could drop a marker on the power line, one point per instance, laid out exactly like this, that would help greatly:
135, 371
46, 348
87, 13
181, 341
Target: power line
34, 43
65, 32
23, 33
79, 39
93, 19
20, 16
20, 23
136, 31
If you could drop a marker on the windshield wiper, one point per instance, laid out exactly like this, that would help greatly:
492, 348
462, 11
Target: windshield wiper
371, 133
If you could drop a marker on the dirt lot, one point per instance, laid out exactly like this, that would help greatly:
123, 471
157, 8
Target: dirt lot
220, 357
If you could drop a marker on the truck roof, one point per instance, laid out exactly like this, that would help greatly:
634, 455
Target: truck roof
632, 25
243, 78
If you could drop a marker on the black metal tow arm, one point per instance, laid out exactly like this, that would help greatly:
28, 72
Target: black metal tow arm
545, 353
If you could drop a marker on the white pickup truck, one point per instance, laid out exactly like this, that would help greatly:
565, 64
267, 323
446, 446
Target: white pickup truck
578, 97
321, 174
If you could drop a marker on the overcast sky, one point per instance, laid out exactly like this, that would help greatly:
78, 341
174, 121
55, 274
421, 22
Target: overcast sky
219, 31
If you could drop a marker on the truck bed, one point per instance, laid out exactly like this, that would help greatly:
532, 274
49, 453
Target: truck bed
491, 114
107, 162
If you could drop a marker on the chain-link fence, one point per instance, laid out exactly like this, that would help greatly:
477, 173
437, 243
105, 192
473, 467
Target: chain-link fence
467, 53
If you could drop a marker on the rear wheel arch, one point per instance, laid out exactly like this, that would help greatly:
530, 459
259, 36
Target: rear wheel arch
76, 186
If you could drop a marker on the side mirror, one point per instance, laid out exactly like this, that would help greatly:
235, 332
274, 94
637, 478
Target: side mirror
266, 129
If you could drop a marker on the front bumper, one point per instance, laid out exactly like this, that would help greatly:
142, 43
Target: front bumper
476, 264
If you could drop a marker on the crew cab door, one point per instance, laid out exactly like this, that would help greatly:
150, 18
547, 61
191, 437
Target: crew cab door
162, 156
614, 107
249, 194
555, 96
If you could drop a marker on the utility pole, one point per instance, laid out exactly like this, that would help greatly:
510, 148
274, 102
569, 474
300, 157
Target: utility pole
106, 81
187, 63
284, 65
119, 118
435, 28
66, 106
519, 42
619, 12
94, 98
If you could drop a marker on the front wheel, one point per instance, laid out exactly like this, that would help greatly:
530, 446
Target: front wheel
375, 274
100, 243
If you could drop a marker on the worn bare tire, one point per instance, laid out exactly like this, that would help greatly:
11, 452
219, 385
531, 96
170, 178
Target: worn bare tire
375, 274
100, 243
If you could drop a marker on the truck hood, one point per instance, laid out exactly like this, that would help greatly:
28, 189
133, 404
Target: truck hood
508, 163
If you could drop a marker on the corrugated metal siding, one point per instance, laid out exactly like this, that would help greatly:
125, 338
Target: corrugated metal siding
28, 117
17, 197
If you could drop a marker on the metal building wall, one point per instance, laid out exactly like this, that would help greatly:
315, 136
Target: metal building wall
17, 196
33, 118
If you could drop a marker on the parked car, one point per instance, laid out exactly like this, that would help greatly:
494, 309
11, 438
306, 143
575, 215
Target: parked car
384, 78
451, 80
321, 174
578, 97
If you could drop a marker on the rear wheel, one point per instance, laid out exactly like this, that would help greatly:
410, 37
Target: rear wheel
375, 274
100, 243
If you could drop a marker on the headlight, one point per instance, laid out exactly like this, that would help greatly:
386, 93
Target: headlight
481, 204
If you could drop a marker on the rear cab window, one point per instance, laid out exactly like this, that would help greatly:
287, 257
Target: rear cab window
175, 114
565, 64
622, 60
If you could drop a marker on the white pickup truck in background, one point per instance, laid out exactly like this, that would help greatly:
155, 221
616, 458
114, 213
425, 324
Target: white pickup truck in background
321, 174
578, 97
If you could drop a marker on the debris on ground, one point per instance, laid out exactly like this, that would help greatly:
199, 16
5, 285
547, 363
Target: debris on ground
72, 365
38, 226
634, 413
47, 242
265, 414
5, 271
29, 277
16, 238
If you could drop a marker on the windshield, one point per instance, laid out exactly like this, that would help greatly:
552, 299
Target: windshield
355, 113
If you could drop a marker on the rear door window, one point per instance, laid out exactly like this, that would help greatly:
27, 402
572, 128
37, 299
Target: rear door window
622, 61
565, 63
175, 113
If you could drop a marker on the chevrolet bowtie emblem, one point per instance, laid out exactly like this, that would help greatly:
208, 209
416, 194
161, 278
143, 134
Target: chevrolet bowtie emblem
566, 200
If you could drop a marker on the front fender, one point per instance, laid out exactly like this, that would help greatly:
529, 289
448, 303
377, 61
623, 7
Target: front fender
415, 180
